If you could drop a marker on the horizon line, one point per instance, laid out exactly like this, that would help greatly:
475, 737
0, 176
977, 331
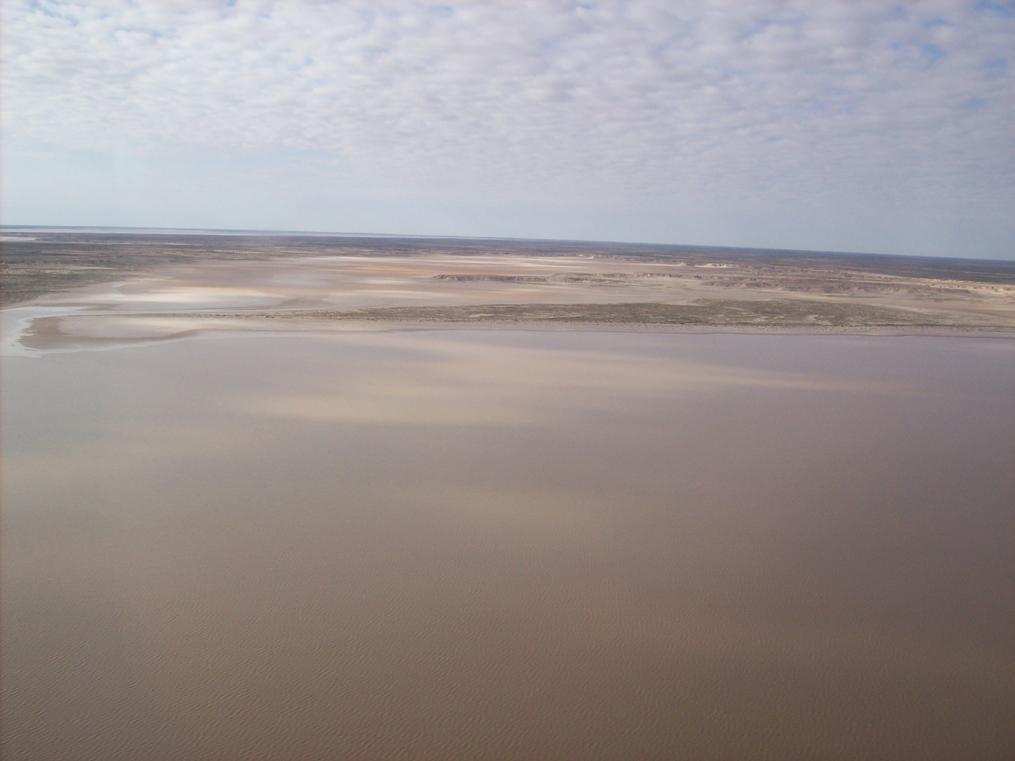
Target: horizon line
267, 232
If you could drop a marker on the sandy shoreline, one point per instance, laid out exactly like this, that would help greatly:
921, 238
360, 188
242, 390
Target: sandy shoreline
57, 332
500, 291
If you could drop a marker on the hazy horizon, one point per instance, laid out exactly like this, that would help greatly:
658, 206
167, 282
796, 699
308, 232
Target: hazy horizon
786, 125
127, 229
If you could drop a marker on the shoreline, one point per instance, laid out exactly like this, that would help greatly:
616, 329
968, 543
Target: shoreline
46, 332
262, 292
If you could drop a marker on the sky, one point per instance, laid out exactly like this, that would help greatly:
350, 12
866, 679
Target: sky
851, 126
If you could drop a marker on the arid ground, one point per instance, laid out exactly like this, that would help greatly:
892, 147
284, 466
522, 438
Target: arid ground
152, 286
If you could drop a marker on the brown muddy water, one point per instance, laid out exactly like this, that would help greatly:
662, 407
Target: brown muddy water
510, 545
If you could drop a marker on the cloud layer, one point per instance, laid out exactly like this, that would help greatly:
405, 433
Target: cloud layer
856, 125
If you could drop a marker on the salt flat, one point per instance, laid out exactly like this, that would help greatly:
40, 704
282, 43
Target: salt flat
147, 289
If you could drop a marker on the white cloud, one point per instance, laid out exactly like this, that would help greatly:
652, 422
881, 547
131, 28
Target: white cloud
756, 112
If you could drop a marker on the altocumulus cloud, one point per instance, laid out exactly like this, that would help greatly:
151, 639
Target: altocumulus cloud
846, 125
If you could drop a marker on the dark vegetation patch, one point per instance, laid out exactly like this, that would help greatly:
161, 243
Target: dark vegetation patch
781, 312
729, 313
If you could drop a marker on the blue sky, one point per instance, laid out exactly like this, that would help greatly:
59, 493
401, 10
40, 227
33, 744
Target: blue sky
865, 126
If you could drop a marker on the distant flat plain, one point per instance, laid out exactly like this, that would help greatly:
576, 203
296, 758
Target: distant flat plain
283, 497
176, 284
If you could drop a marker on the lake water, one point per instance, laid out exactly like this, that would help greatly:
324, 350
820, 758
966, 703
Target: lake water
510, 545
